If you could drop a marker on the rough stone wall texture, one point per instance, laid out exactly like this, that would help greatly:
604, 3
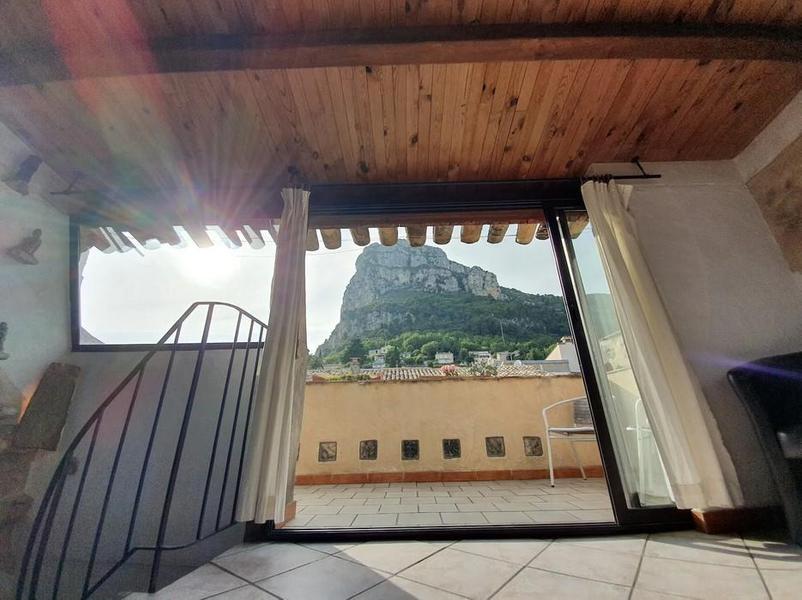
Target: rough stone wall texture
777, 189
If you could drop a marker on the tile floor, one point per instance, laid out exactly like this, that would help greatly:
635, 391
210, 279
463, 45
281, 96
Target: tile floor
640, 567
451, 503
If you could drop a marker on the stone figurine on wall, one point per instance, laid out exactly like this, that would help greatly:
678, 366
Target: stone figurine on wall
25, 250
3, 332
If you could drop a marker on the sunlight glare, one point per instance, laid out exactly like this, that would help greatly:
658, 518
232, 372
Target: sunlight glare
207, 266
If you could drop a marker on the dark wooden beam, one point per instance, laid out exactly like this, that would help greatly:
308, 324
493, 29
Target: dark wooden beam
405, 45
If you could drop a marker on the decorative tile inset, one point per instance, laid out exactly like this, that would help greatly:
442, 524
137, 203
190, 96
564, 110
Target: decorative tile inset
327, 452
451, 449
410, 450
533, 446
495, 446
368, 449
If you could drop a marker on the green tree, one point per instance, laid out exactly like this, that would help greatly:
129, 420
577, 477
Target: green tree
314, 362
429, 349
355, 349
393, 357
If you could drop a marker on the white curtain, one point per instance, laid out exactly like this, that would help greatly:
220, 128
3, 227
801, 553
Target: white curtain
698, 467
278, 402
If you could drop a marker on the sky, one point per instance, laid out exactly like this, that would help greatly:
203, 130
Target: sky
134, 297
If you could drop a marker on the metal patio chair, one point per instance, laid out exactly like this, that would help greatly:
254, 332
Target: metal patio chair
581, 431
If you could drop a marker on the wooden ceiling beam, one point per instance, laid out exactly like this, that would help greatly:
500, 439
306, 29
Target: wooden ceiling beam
406, 45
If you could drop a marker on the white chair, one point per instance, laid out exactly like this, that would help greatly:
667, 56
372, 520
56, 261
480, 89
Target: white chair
581, 431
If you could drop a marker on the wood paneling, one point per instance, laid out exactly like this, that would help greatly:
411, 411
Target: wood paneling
224, 138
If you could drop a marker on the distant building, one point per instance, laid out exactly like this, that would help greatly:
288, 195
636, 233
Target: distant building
565, 350
378, 356
480, 355
444, 358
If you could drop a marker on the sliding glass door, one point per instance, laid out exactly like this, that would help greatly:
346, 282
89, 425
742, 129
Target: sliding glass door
638, 461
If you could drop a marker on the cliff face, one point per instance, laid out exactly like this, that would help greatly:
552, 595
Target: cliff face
381, 269
401, 289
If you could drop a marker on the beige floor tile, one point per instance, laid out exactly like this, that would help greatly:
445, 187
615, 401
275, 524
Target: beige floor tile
248, 592
390, 557
507, 518
331, 578
360, 510
699, 580
268, 560
699, 547
463, 518
313, 501
398, 508
519, 552
784, 585
590, 563
240, 548
594, 516
419, 519
651, 595
384, 520
330, 521
327, 548
299, 521
461, 573
477, 507
398, 588
201, 583
549, 505
533, 583
382, 501
631, 544
551, 516
437, 508
369, 495
774, 554
330, 509
509, 507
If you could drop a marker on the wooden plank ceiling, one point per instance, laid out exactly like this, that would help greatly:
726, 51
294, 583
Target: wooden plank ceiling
227, 138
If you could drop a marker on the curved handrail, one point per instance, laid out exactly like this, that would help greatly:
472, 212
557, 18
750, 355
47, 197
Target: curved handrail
33, 558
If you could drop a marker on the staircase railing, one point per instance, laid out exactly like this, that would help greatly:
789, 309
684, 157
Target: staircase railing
132, 462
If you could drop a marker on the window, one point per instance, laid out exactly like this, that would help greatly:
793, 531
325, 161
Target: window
130, 293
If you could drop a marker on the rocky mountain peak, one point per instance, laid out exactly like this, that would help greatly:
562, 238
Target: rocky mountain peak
382, 269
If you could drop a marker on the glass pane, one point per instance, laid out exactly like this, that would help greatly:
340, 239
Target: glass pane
635, 449
447, 359
134, 295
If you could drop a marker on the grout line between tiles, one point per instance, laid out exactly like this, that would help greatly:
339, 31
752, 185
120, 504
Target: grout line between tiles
397, 573
529, 562
239, 587
258, 581
637, 571
759, 572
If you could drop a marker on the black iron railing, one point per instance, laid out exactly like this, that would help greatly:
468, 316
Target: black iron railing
175, 427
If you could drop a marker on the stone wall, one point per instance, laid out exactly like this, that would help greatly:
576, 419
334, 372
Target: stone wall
369, 422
